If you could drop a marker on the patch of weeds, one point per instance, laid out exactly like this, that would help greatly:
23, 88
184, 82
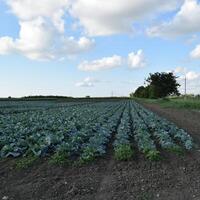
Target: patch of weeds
59, 158
87, 156
77, 163
153, 155
23, 163
146, 196
177, 150
123, 152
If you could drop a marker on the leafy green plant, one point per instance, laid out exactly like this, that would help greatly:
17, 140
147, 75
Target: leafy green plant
177, 150
124, 152
59, 158
23, 163
153, 155
88, 155
146, 196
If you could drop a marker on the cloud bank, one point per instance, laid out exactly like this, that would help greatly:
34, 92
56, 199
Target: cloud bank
42, 31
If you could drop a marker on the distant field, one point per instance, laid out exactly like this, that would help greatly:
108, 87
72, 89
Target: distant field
188, 103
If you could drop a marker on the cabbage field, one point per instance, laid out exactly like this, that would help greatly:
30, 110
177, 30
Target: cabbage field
85, 131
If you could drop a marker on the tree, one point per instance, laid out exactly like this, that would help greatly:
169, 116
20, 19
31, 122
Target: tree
159, 85
132, 94
140, 92
163, 84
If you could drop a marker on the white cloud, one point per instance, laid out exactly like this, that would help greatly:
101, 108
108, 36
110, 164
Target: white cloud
136, 60
87, 82
72, 46
193, 82
101, 64
41, 35
27, 10
116, 16
186, 21
190, 75
6, 45
180, 70
192, 86
196, 52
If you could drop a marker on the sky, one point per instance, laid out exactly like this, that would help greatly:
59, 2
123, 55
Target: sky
96, 47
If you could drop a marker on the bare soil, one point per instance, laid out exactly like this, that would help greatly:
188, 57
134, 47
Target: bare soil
173, 178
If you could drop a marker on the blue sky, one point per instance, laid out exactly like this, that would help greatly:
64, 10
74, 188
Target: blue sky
97, 48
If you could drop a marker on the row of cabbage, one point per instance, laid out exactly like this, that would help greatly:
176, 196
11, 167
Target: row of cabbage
167, 133
102, 134
144, 130
46, 131
123, 139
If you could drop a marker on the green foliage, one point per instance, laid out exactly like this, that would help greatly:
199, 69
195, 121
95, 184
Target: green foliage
59, 158
146, 196
159, 85
88, 155
152, 92
178, 102
122, 147
182, 103
25, 162
124, 152
177, 150
153, 155
164, 84
141, 92
132, 95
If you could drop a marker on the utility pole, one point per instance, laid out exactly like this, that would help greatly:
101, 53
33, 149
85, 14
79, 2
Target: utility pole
185, 86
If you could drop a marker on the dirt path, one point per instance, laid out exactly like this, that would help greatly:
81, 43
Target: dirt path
106, 182
173, 178
107, 179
